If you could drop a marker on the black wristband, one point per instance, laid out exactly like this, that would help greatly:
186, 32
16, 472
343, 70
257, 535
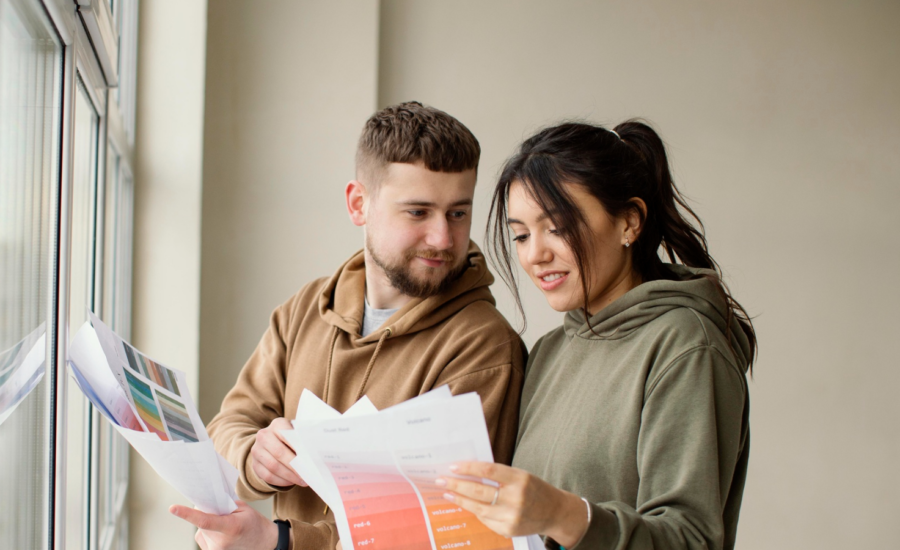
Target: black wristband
284, 534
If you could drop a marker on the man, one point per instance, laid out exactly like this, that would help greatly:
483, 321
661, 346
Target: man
410, 312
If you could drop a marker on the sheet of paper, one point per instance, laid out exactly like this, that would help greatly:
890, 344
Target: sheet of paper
149, 404
438, 394
362, 407
89, 367
531, 542
21, 369
158, 394
193, 469
381, 467
310, 411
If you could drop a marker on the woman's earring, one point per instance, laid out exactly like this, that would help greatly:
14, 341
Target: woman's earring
627, 244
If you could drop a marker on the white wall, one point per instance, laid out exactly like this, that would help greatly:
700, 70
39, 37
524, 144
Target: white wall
783, 123
168, 185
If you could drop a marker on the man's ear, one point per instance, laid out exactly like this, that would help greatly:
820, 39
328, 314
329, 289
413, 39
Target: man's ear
356, 196
634, 219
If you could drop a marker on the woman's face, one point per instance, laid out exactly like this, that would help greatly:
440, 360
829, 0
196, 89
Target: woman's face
549, 261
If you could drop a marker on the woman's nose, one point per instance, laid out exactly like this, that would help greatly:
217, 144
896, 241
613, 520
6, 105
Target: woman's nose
538, 252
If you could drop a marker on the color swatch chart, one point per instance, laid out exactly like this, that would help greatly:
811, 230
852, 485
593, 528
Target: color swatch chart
376, 470
382, 506
392, 502
451, 526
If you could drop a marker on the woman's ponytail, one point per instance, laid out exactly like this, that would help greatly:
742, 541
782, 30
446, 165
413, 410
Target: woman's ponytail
666, 226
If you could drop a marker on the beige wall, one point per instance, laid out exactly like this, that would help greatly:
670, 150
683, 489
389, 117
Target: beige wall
783, 126
288, 87
783, 123
168, 178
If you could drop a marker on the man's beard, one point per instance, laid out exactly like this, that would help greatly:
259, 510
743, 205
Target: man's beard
401, 277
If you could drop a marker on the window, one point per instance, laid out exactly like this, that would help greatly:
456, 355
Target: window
30, 127
67, 73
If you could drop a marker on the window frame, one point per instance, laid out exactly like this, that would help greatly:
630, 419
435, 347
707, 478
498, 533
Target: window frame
94, 50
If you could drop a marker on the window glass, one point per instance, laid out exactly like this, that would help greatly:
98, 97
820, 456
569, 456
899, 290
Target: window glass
30, 100
84, 169
108, 438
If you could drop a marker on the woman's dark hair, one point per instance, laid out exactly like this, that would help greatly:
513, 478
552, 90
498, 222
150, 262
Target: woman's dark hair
615, 167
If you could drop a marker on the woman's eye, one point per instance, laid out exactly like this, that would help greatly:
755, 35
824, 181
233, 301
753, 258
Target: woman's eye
554, 231
520, 238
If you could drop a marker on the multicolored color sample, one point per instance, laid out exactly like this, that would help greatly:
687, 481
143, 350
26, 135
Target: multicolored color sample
177, 420
151, 370
382, 507
142, 396
451, 526
393, 509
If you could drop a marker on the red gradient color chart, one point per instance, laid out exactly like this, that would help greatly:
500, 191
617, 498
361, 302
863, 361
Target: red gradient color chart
382, 507
452, 527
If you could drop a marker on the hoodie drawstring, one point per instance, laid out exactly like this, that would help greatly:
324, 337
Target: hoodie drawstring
362, 388
334, 337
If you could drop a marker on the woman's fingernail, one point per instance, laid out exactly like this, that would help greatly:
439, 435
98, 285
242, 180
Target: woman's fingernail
440, 482
454, 467
449, 497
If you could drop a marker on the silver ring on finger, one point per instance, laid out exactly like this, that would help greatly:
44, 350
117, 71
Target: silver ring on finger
496, 495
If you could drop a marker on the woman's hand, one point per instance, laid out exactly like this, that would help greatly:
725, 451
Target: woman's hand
522, 504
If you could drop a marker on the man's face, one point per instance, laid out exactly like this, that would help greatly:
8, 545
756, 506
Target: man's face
417, 227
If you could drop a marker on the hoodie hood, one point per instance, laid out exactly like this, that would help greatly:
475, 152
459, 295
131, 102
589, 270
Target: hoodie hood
341, 301
692, 288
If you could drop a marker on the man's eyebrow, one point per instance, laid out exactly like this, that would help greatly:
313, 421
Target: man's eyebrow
429, 204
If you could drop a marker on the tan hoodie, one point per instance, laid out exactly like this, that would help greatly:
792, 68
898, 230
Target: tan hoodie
313, 342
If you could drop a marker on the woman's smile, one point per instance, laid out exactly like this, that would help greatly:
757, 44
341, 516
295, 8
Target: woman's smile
550, 280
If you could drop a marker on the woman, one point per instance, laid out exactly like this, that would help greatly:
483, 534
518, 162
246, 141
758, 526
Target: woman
634, 421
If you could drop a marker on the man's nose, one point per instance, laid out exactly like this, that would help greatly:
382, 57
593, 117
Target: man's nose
439, 236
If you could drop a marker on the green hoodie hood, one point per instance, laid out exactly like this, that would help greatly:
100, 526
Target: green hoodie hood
694, 289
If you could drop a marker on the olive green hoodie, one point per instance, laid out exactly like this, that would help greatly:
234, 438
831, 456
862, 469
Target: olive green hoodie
457, 338
645, 416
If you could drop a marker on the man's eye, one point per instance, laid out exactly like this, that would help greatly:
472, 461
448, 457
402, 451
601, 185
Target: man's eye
458, 215
416, 213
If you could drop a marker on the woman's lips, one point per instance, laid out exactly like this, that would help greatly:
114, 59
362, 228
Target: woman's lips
554, 282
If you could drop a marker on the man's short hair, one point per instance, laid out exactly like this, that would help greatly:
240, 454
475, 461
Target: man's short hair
411, 133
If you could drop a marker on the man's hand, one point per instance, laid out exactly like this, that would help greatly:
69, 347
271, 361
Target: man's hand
245, 528
272, 456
